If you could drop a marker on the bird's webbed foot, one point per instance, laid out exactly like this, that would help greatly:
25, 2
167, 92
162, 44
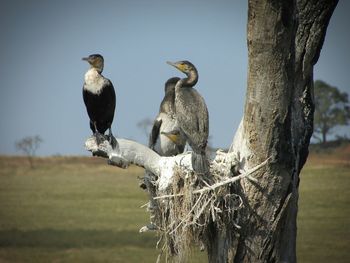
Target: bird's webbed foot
99, 138
113, 141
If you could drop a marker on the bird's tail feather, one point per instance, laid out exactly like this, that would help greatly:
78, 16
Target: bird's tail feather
200, 163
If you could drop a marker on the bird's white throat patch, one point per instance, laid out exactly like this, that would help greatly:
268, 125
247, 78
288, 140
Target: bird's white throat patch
94, 81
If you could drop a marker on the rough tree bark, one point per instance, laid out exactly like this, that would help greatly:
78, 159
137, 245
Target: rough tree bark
284, 43
285, 38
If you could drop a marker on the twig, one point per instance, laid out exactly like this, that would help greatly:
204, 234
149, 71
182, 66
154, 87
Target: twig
202, 209
144, 205
189, 213
228, 181
167, 196
233, 179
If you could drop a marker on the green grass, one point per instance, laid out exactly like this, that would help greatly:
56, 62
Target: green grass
72, 210
81, 210
324, 215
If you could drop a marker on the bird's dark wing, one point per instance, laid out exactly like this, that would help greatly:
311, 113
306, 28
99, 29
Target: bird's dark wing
154, 133
89, 102
111, 101
192, 115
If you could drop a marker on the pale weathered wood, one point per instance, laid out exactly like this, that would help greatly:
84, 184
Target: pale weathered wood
131, 152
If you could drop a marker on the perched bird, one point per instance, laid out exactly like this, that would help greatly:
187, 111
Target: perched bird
192, 115
165, 138
99, 98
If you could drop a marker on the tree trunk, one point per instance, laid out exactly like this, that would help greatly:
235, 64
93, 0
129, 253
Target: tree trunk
31, 161
324, 137
324, 132
284, 43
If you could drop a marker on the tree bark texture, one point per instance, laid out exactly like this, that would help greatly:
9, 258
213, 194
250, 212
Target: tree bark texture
284, 42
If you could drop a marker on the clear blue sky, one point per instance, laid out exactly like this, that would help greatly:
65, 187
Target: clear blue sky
41, 72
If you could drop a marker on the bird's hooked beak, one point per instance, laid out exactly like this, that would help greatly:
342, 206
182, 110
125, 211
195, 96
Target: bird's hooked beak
177, 65
173, 136
171, 64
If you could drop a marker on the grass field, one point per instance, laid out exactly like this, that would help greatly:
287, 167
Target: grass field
78, 209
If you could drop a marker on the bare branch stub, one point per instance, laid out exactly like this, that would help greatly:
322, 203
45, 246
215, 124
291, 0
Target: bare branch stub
105, 150
127, 152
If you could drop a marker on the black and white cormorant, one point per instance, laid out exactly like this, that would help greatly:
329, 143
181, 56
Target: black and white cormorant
99, 98
165, 138
192, 115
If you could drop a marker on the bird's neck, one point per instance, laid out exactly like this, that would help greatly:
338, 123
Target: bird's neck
167, 104
92, 75
179, 85
191, 79
94, 81
98, 68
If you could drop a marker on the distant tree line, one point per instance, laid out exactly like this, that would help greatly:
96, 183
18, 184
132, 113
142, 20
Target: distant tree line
332, 109
29, 145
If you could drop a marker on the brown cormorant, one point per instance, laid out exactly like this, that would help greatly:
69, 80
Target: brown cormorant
192, 115
99, 98
165, 138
